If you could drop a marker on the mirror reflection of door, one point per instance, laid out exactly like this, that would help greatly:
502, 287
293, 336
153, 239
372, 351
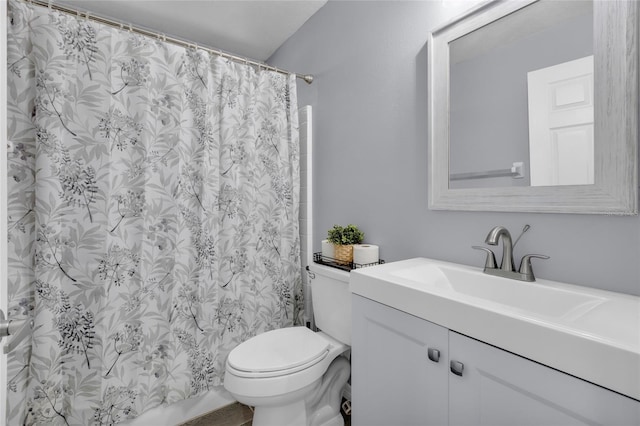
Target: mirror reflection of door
561, 124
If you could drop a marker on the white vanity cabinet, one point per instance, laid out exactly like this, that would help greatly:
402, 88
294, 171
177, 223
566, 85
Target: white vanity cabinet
500, 388
394, 381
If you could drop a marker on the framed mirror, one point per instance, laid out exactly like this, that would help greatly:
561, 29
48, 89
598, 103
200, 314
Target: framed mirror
533, 107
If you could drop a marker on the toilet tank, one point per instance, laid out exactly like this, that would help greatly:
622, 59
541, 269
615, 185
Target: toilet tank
331, 301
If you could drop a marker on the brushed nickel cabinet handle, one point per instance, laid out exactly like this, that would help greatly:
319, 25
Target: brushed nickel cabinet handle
456, 367
434, 354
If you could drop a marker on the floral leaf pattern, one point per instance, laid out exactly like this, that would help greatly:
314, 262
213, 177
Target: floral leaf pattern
117, 264
118, 403
78, 39
133, 72
195, 65
74, 323
152, 216
121, 129
77, 180
125, 342
51, 98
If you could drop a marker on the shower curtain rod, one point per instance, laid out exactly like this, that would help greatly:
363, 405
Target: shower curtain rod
308, 78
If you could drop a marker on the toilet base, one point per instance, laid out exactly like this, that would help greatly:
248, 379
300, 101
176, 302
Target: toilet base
291, 414
325, 404
282, 410
329, 418
315, 405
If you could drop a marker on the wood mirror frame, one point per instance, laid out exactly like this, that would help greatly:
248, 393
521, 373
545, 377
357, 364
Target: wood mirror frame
615, 191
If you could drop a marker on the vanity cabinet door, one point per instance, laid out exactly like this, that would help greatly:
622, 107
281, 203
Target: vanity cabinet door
393, 379
500, 388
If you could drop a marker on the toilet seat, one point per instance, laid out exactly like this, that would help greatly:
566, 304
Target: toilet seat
251, 380
281, 352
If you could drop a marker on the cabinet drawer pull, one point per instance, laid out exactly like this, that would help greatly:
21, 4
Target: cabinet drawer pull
456, 367
434, 354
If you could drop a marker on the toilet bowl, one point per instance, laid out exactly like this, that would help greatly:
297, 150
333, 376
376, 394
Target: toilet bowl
294, 376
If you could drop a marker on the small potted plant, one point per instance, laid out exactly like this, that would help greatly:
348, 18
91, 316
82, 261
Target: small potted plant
343, 239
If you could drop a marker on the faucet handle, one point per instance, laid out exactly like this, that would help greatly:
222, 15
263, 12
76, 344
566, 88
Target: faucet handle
490, 262
525, 265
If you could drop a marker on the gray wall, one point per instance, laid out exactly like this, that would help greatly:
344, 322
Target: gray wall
370, 147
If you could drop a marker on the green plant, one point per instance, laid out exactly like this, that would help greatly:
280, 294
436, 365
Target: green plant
347, 235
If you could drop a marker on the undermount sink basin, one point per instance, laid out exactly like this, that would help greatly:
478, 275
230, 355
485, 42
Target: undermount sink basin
589, 333
527, 298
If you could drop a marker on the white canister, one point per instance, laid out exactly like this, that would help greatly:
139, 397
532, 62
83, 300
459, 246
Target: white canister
327, 251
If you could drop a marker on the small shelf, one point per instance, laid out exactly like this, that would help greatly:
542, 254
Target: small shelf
334, 263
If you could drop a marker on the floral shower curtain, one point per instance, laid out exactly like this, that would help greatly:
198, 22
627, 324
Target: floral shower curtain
153, 216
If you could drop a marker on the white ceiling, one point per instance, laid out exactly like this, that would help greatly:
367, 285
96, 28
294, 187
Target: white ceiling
248, 28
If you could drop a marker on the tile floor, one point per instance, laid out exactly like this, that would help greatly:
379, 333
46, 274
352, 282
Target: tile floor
234, 414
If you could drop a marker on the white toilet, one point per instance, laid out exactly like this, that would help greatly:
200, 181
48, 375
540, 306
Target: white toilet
294, 376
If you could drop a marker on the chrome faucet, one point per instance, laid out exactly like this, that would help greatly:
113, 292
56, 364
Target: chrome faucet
507, 268
507, 248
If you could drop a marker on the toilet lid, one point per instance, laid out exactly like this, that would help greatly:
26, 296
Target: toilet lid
277, 350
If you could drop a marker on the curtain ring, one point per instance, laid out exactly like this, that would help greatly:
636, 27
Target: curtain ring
121, 26
87, 16
130, 29
49, 4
